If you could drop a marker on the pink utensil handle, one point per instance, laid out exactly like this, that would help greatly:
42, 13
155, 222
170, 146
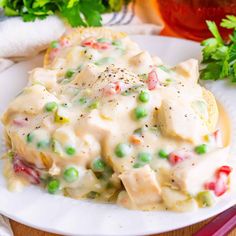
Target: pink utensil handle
220, 225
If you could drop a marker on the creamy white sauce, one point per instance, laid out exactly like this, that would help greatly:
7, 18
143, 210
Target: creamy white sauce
95, 93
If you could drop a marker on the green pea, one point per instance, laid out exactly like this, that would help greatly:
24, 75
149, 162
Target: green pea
201, 149
54, 44
163, 154
94, 105
69, 73
53, 186
71, 174
122, 149
70, 151
164, 68
104, 60
29, 137
51, 106
42, 144
82, 101
205, 199
140, 112
98, 165
145, 157
103, 40
138, 165
117, 43
144, 97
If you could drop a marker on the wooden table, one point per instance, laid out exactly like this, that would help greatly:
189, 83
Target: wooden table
22, 230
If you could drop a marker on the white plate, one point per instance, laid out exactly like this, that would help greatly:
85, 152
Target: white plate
36, 208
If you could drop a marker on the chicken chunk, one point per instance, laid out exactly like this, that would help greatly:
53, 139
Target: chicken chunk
188, 69
47, 78
191, 174
32, 101
177, 119
142, 186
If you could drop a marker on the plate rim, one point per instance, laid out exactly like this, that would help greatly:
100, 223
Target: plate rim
48, 229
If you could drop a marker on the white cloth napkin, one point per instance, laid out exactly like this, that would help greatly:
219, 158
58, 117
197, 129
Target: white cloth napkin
20, 40
5, 227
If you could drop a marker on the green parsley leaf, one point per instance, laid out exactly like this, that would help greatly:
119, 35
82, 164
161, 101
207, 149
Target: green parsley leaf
76, 12
229, 23
211, 71
219, 57
214, 30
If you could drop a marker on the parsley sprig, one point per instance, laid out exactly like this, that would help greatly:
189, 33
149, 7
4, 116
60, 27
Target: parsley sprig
219, 56
76, 12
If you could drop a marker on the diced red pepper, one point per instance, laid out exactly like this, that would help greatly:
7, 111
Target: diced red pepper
210, 185
175, 159
216, 134
113, 88
152, 80
224, 169
101, 46
96, 45
221, 185
21, 168
87, 43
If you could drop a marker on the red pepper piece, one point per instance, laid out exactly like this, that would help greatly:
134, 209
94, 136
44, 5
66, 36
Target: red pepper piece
113, 88
87, 43
175, 159
21, 168
210, 186
224, 169
152, 80
221, 185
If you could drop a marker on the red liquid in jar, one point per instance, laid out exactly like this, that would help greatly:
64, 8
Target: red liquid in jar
187, 17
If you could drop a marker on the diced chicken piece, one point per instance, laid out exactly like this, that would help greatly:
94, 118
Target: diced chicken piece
157, 61
141, 61
191, 174
177, 119
189, 69
65, 135
142, 186
47, 78
32, 101
94, 124
115, 75
87, 77
177, 201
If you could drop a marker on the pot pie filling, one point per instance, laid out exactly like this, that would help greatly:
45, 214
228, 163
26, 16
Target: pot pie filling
105, 120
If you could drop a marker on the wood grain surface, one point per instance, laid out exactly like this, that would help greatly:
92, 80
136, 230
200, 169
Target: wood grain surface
22, 230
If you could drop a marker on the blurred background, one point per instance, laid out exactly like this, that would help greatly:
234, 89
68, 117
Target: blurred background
186, 18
